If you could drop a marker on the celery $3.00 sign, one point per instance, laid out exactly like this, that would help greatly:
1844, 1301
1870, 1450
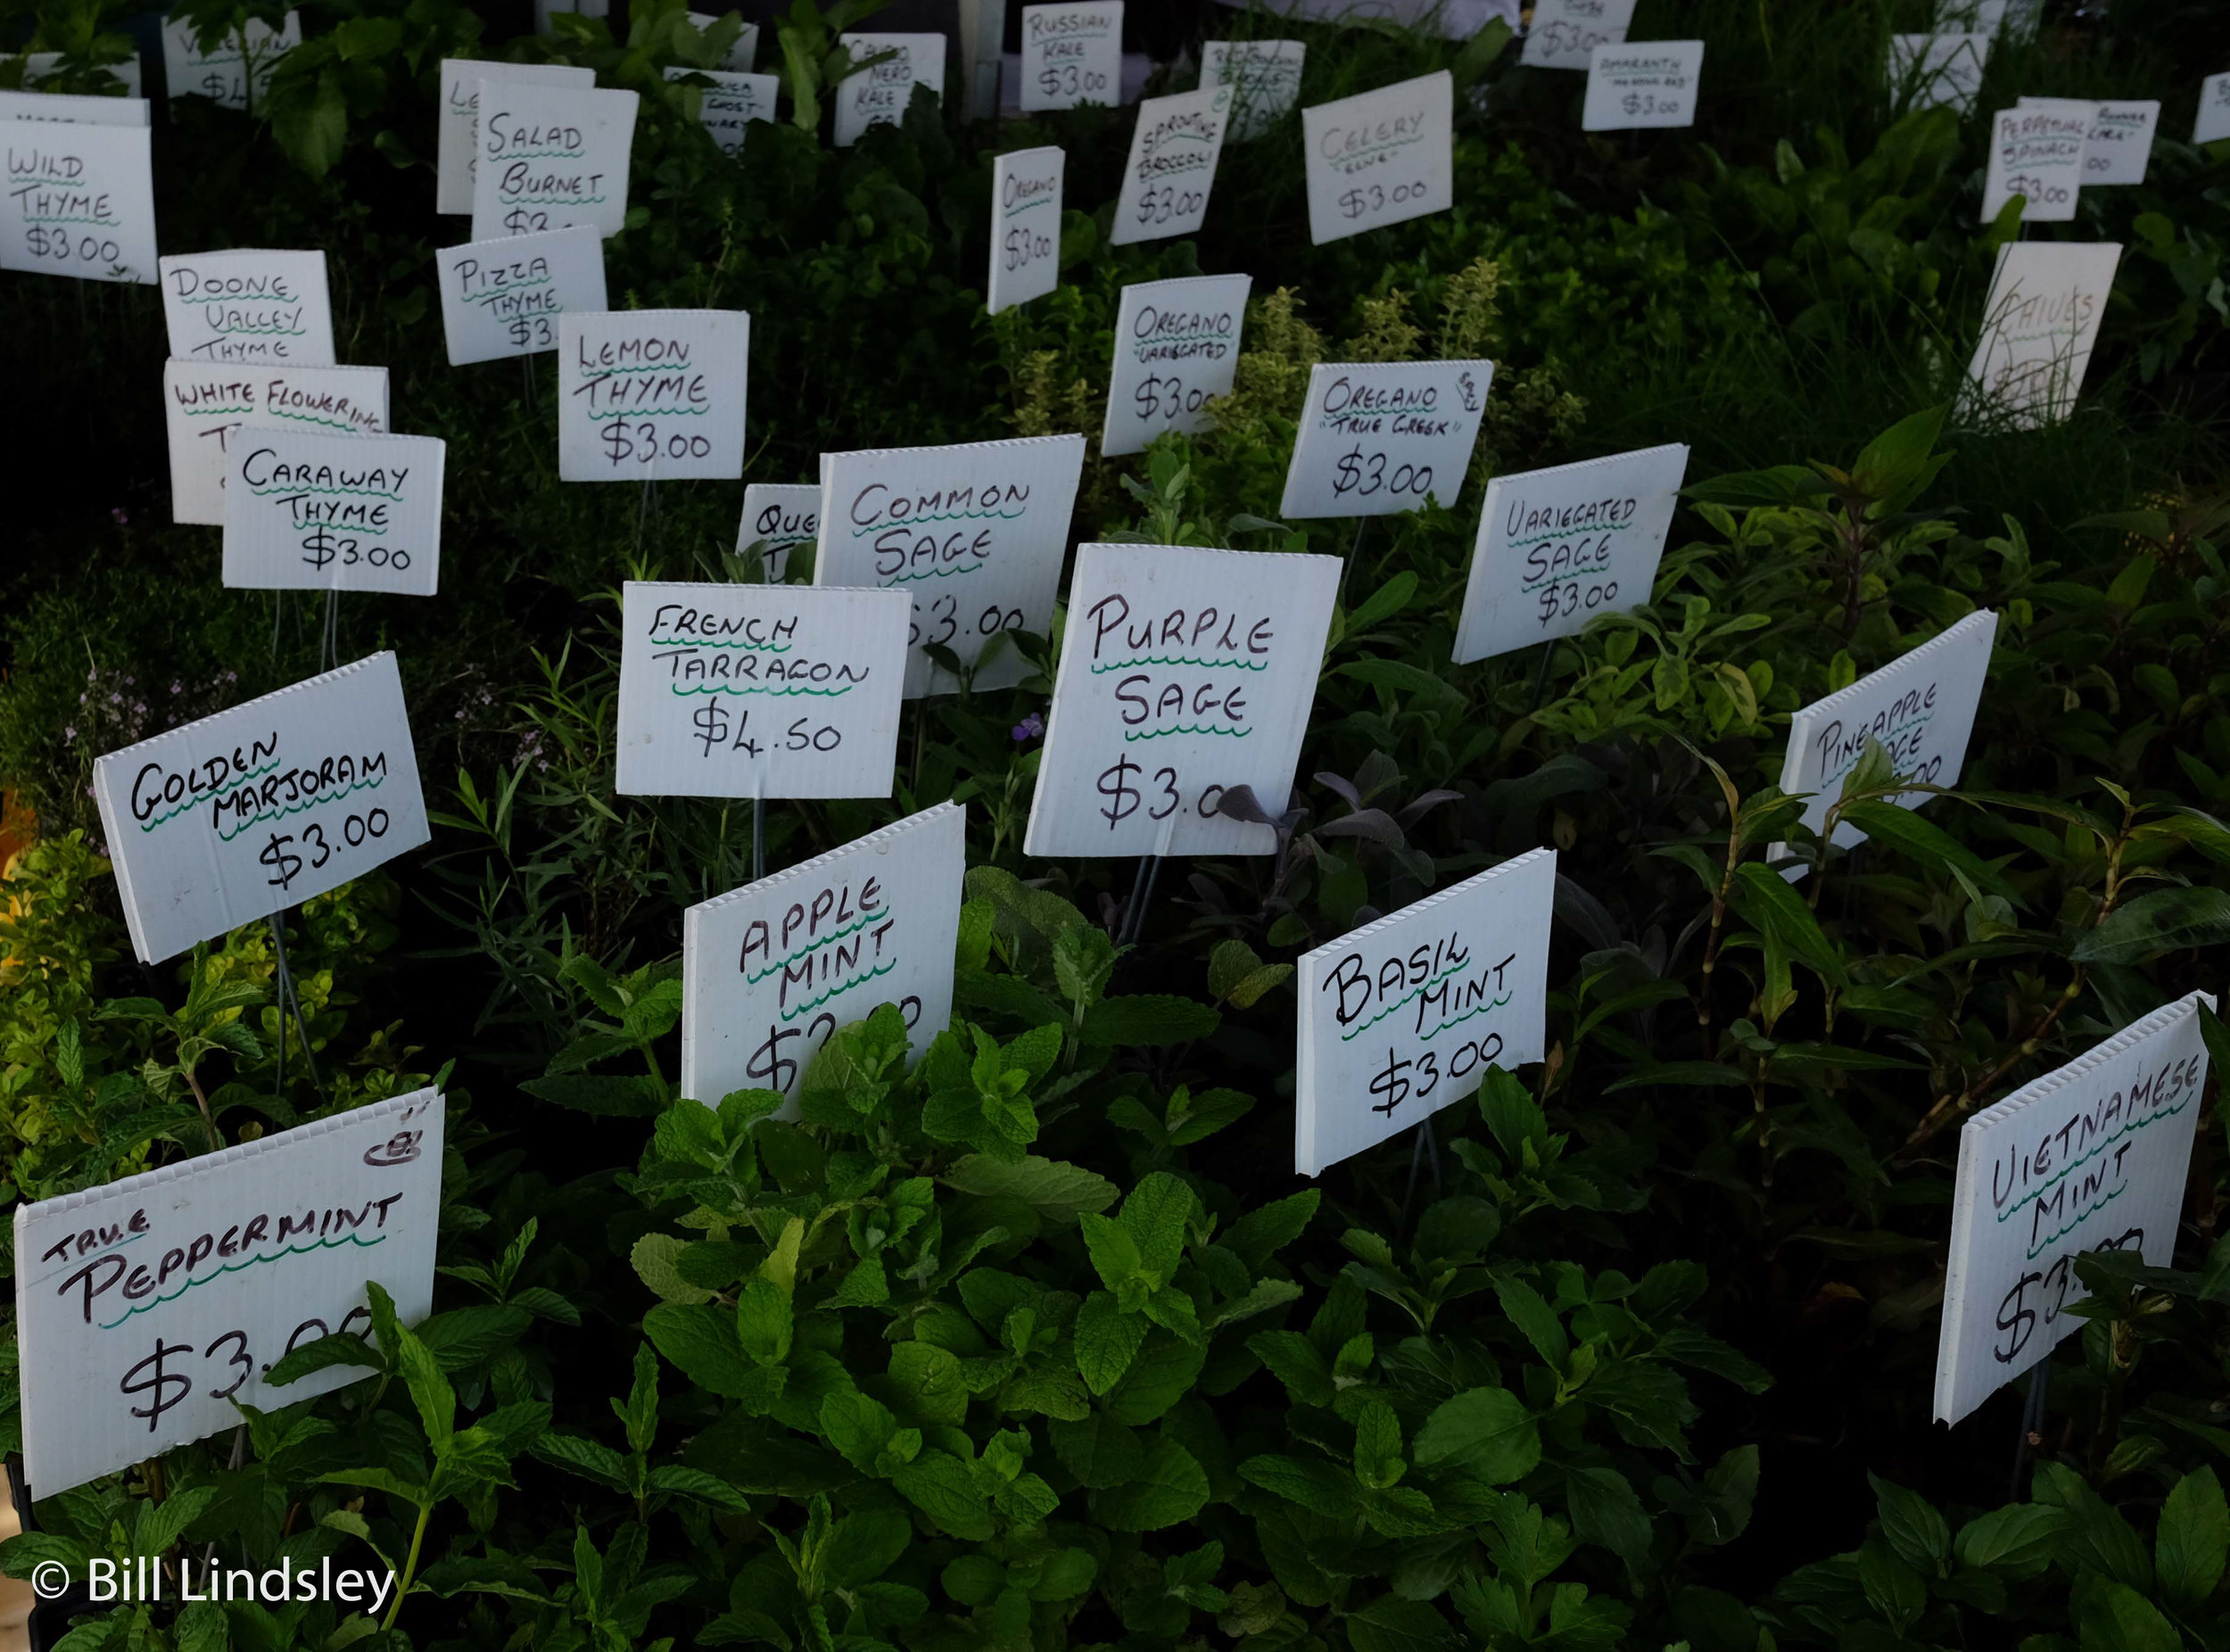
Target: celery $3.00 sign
1381, 157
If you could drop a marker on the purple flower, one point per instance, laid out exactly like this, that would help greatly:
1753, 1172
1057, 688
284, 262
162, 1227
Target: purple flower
1029, 729
69, 734
117, 516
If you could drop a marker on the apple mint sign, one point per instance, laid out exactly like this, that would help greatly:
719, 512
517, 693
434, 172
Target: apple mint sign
1380, 157
206, 407
1404, 1016
1176, 348
1173, 154
1560, 546
248, 306
81, 202
550, 157
1026, 230
327, 511
1184, 673
759, 690
130, 1349
1381, 437
651, 394
503, 298
770, 971
228, 819
2093, 1157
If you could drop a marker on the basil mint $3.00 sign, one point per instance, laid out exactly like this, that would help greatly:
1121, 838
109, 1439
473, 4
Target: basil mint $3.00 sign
239, 815
130, 1349
1404, 1016
1380, 157
1381, 437
651, 394
1184, 673
308, 511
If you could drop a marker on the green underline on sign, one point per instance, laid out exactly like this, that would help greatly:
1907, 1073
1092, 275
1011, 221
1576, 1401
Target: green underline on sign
776, 966
1405, 998
234, 1268
1186, 728
842, 987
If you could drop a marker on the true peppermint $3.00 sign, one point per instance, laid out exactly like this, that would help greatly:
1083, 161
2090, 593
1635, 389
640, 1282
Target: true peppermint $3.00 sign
759, 690
770, 971
233, 818
1380, 157
1560, 546
1184, 673
1176, 348
318, 511
1381, 437
261, 1249
651, 394
2093, 1157
1404, 1016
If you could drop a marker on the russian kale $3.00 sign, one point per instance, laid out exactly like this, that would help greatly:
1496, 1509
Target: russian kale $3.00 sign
233, 818
878, 95
130, 1349
1072, 54
1636, 87
66, 109
1184, 673
975, 533
458, 139
503, 298
1264, 77
651, 394
308, 511
206, 408
778, 516
1928, 72
1404, 1016
248, 306
551, 157
770, 971
221, 73
2046, 301
1173, 154
759, 690
1026, 189
1565, 33
81, 202
1559, 546
1920, 707
1381, 437
726, 107
2036, 152
2093, 1157
1176, 348
1380, 157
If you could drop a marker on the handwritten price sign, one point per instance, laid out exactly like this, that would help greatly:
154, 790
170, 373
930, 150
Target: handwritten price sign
1381, 437
1380, 157
321, 511
1025, 190
1176, 348
549, 157
651, 394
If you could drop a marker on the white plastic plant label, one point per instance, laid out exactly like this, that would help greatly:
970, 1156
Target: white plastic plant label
81, 202
726, 107
504, 297
1176, 348
2046, 301
1025, 190
1641, 87
130, 1349
1264, 77
1559, 546
778, 516
1381, 437
1920, 707
2119, 147
1565, 33
1172, 167
878, 97
1184, 673
326, 511
2014, 17
225, 821
2213, 123
770, 971
1404, 1016
651, 394
552, 156
69, 109
39, 66
974, 532
248, 306
1072, 54
457, 140
1930, 71
2092, 1157
742, 52
2036, 152
1381, 157
205, 406
222, 72
759, 690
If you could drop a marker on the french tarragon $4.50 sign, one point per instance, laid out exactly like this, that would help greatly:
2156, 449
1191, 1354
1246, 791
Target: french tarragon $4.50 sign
239, 815
1184, 673
1381, 437
259, 1249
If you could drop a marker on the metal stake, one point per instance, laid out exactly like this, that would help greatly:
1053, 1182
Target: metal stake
287, 999
2032, 1425
1540, 679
